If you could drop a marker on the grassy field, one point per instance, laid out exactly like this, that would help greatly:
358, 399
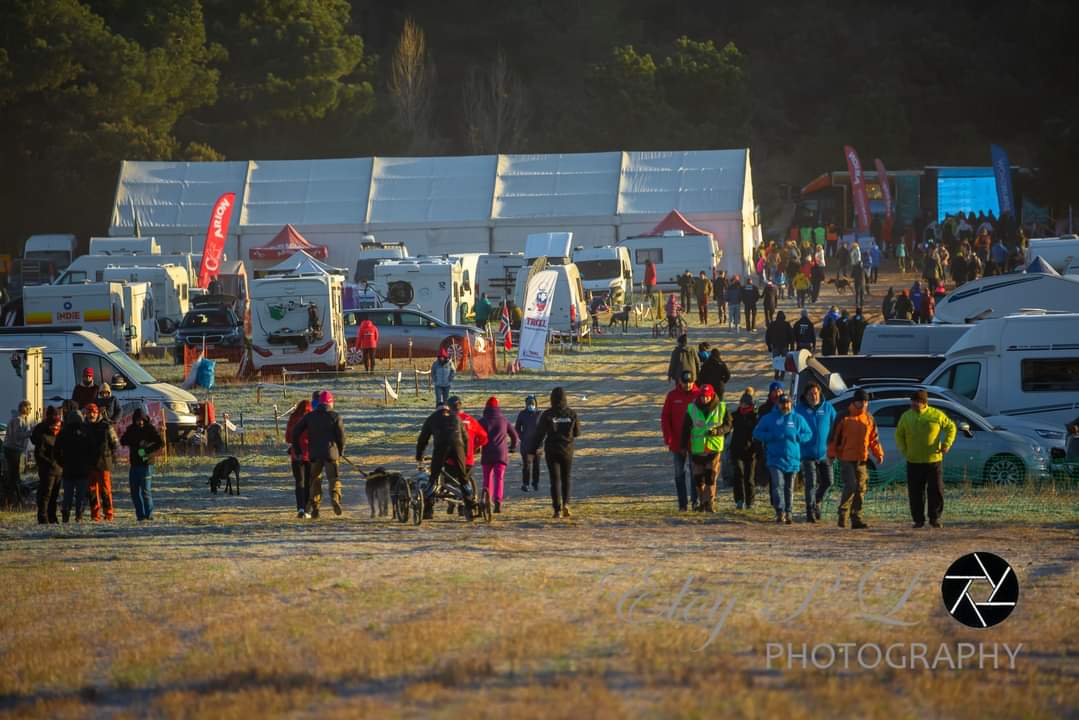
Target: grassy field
231, 607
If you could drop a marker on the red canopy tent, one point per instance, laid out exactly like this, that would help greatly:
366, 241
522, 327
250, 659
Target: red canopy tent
676, 221
285, 244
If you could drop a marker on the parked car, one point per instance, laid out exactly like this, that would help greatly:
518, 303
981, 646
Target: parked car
218, 326
980, 454
397, 326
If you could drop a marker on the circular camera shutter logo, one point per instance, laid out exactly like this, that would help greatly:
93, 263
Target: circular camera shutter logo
980, 590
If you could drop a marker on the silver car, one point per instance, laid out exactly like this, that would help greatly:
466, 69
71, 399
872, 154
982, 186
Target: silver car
981, 453
400, 326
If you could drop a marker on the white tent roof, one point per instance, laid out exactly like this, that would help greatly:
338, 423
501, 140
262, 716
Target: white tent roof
418, 190
173, 194
300, 192
700, 181
530, 186
300, 263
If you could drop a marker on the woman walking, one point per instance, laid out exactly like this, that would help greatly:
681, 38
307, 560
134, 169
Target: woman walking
782, 432
556, 431
301, 461
502, 439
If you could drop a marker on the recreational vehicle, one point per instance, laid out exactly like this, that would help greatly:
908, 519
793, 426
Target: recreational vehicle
91, 268
168, 284
371, 253
69, 351
140, 326
96, 307
432, 285
1021, 365
297, 317
1062, 253
470, 292
910, 339
607, 272
496, 274
673, 253
553, 249
22, 377
43, 258
999, 295
124, 246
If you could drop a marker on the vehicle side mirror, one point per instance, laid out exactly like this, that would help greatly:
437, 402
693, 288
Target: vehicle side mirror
965, 429
119, 383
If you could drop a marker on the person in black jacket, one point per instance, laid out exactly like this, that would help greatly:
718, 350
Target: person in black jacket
683, 358
142, 440
558, 427
48, 466
779, 337
714, 372
842, 326
325, 446
450, 443
105, 444
742, 451
805, 336
107, 403
750, 296
526, 423
770, 296
75, 451
719, 292
857, 330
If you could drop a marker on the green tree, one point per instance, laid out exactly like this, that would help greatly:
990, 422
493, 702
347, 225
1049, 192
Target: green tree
706, 85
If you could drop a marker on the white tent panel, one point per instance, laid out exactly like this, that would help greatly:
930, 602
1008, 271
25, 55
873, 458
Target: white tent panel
438, 240
511, 237
563, 185
173, 195
413, 190
307, 192
696, 181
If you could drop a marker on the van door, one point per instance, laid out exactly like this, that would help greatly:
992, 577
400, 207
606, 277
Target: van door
964, 378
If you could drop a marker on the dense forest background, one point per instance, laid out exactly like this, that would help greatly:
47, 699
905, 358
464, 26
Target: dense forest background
84, 85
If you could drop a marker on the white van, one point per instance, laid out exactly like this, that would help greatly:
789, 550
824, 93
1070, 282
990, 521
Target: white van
999, 295
432, 285
22, 377
910, 339
673, 253
1024, 366
606, 271
1060, 252
168, 283
124, 246
70, 351
496, 274
140, 327
370, 253
297, 319
568, 291
470, 292
43, 258
96, 307
91, 268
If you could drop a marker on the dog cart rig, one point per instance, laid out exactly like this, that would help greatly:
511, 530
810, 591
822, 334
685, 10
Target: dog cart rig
406, 494
447, 488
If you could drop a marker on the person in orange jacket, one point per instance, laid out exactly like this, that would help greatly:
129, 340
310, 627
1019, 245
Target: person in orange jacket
852, 441
367, 343
477, 438
671, 419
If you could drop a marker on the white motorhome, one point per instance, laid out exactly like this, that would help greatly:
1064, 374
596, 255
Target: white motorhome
910, 339
96, 307
68, 352
1062, 253
124, 246
432, 285
43, 258
371, 252
554, 250
673, 253
469, 270
296, 317
606, 271
496, 274
999, 295
140, 327
1024, 366
22, 377
168, 284
91, 268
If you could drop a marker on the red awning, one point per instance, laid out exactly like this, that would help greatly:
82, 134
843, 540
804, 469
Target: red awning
676, 221
285, 244
818, 183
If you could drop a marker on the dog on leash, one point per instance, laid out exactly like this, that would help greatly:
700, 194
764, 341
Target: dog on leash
224, 470
842, 284
377, 489
621, 316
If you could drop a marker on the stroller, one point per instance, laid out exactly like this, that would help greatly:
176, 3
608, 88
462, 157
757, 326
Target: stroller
447, 487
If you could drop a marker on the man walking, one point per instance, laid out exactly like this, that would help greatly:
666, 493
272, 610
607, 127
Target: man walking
450, 441
367, 342
105, 444
854, 439
671, 420
924, 436
805, 336
705, 425
48, 465
750, 295
16, 441
779, 337
743, 452
142, 440
703, 288
75, 450
325, 446
683, 358
525, 426
816, 469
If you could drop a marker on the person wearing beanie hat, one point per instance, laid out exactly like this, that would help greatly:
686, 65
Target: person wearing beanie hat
442, 374
325, 433
86, 391
525, 425
43, 436
299, 459
924, 436
853, 440
75, 452
816, 469
556, 431
100, 480
108, 404
743, 450
782, 432
683, 358
805, 335
142, 440
703, 431
714, 372
779, 339
502, 439
671, 419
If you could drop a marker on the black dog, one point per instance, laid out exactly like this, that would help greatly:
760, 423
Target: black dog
224, 470
842, 284
621, 317
377, 489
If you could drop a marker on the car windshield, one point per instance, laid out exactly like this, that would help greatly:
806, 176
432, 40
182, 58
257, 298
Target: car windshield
130, 368
599, 269
208, 318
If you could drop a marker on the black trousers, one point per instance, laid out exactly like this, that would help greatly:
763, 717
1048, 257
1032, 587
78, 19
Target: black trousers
368, 359
10, 497
530, 470
922, 477
48, 492
558, 467
750, 313
742, 474
301, 474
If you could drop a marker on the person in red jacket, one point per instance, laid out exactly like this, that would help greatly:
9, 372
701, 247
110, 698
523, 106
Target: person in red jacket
367, 343
301, 461
671, 419
649, 278
477, 438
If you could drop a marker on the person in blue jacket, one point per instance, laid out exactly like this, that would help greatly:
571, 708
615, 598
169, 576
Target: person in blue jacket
816, 467
782, 432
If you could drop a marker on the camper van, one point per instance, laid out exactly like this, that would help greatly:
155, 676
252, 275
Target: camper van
910, 339
673, 253
372, 252
999, 295
96, 307
554, 251
1062, 253
297, 320
168, 284
432, 285
141, 326
496, 274
470, 292
607, 272
124, 246
1024, 366
91, 268
22, 377
43, 258
68, 351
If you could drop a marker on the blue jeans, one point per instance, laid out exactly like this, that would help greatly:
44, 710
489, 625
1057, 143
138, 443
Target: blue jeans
139, 480
442, 394
781, 504
680, 478
817, 476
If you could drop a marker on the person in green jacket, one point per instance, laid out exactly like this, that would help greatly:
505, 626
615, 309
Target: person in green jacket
483, 311
703, 429
924, 435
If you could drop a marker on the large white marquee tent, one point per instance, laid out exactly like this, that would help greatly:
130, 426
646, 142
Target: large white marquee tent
484, 203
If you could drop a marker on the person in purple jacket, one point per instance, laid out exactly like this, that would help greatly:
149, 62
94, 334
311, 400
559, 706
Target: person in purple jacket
525, 426
502, 439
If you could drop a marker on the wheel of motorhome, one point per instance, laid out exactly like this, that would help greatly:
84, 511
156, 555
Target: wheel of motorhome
1004, 470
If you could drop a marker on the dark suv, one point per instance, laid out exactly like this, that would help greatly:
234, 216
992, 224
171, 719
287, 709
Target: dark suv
216, 327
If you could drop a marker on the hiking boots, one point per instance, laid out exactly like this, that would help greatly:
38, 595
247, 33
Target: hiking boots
779, 517
786, 518
917, 525
299, 514
816, 511
936, 523
557, 513
336, 508
565, 511
810, 516
858, 525
524, 488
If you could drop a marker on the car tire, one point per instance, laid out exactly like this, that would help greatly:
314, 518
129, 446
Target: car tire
1004, 469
